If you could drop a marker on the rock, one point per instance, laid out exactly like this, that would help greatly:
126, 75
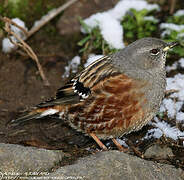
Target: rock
20, 159
158, 151
16, 160
117, 165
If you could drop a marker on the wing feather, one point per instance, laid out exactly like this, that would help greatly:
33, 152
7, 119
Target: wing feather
79, 88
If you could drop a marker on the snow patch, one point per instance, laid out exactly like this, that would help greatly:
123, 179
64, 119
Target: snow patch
122, 142
180, 117
172, 105
124, 6
174, 66
168, 131
174, 102
156, 133
172, 26
72, 66
169, 106
163, 128
177, 83
7, 46
179, 12
109, 21
181, 62
111, 29
151, 18
92, 58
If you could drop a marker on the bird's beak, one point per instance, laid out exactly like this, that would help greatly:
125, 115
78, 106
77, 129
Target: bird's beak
170, 45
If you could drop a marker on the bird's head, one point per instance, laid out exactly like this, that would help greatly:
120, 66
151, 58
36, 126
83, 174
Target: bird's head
146, 54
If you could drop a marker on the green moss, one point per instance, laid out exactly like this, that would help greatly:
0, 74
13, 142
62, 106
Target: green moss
136, 26
176, 19
29, 11
15, 8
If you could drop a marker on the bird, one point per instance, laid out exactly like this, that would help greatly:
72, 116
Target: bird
115, 95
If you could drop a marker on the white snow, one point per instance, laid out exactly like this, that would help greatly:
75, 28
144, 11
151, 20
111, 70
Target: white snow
151, 18
163, 128
49, 112
123, 6
180, 117
122, 142
91, 59
169, 106
172, 27
179, 12
177, 83
16, 29
109, 21
181, 62
155, 132
7, 46
174, 66
111, 28
72, 66
168, 27
167, 130
173, 104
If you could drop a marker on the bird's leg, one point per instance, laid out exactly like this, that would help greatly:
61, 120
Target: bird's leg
98, 141
135, 150
119, 146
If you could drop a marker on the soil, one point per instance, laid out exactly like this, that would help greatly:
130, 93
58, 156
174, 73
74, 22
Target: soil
22, 88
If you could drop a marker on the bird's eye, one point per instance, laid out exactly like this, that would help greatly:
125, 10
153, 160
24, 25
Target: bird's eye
154, 51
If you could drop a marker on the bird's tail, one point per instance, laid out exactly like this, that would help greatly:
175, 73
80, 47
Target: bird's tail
34, 114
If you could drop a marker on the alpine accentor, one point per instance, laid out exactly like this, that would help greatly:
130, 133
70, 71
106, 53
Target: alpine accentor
113, 96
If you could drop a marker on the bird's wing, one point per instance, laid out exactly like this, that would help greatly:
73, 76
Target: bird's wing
79, 88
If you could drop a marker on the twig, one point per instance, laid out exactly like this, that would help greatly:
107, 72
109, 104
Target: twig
168, 92
47, 18
26, 48
50, 16
5, 19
